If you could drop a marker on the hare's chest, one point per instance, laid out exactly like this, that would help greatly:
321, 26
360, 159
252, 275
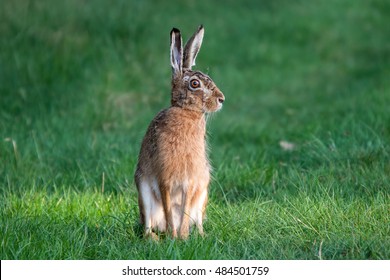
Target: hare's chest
183, 151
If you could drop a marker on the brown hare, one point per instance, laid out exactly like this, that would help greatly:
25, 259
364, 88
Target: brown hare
173, 171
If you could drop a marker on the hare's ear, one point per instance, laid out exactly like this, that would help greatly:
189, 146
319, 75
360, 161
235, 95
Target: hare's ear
192, 48
176, 52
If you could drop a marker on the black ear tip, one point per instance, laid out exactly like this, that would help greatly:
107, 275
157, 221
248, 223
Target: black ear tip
200, 27
175, 30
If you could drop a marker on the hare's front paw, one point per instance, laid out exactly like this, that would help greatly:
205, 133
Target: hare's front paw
174, 233
201, 231
184, 232
153, 236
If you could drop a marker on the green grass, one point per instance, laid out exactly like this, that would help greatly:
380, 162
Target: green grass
80, 82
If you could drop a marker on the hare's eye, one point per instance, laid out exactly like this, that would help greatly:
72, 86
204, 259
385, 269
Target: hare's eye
195, 83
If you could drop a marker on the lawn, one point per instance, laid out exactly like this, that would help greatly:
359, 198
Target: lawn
301, 149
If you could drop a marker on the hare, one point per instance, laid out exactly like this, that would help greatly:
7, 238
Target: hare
173, 171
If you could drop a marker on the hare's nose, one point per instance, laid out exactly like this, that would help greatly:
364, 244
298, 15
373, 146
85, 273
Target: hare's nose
221, 97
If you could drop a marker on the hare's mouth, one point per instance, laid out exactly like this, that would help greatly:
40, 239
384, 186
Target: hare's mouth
213, 109
213, 104
219, 106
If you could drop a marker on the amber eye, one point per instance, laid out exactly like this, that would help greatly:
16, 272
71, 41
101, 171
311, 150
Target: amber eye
195, 83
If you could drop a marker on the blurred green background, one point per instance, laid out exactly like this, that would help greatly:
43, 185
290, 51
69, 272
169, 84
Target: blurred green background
81, 80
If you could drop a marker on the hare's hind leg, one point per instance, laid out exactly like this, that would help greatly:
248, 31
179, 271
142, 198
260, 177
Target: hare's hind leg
146, 203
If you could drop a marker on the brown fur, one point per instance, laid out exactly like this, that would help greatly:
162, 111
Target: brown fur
173, 171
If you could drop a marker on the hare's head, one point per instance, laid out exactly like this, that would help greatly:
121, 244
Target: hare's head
191, 90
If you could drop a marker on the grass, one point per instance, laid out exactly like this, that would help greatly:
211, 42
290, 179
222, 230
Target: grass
80, 82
